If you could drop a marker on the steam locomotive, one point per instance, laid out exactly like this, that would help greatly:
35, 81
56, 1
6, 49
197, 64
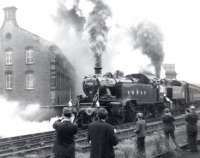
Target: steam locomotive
124, 96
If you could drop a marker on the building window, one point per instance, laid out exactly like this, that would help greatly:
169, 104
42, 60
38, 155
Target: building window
53, 97
53, 67
29, 55
53, 59
53, 81
9, 57
30, 80
9, 80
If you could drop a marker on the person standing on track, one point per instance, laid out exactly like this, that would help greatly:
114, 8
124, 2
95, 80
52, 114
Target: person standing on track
169, 128
102, 137
64, 146
140, 132
192, 129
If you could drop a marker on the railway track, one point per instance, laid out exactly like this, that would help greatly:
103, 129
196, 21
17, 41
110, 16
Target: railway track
41, 143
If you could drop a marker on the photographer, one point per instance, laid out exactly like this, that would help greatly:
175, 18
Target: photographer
64, 146
102, 137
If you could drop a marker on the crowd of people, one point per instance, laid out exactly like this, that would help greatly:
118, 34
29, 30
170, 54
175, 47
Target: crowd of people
102, 135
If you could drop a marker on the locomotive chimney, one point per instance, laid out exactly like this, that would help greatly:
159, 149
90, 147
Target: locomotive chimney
10, 15
98, 67
97, 70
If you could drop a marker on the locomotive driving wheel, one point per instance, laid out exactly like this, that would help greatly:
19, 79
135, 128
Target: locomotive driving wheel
117, 114
130, 112
121, 117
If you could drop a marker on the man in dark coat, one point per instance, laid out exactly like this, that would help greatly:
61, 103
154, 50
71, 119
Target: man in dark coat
192, 129
102, 137
169, 128
140, 132
64, 146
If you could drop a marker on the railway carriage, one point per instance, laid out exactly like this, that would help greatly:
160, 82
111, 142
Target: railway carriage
194, 94
182, 94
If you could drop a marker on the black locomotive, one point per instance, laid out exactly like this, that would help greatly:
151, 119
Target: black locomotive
124, 96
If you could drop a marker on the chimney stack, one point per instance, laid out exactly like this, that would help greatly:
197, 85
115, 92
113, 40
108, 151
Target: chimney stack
97, 70
98, 67
10, 15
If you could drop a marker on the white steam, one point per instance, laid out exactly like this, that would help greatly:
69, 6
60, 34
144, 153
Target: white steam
123, 56
14, 119
76, 49
70, 38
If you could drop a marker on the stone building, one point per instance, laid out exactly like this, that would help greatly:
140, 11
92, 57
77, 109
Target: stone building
32, 70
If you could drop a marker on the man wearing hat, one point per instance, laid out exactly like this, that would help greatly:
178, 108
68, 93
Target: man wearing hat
140, 132
64, 146
102, 137
169, 128
191, 128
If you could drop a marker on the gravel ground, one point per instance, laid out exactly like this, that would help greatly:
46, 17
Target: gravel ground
184, 154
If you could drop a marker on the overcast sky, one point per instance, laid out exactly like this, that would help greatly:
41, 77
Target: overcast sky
178, 20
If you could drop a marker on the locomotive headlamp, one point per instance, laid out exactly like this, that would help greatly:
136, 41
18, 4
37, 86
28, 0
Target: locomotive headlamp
89, 111
70, 103
97, 104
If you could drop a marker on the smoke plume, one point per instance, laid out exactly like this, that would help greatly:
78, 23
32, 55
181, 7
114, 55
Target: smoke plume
97, 28
70, 16
70, 38
78, 24
148, 37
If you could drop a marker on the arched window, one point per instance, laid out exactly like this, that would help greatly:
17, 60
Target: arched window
30, 80
9, 57
29, 51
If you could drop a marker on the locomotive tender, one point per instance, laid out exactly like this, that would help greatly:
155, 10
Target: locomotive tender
124, 96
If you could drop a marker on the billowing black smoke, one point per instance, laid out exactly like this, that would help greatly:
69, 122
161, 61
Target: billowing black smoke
70, 22
98, 30
148, 37
74, 24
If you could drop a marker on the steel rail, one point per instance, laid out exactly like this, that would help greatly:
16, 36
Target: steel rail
40, 142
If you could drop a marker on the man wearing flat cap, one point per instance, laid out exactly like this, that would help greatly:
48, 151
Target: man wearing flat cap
64, 146
140, 133
169, 128
191, 128
102, 137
